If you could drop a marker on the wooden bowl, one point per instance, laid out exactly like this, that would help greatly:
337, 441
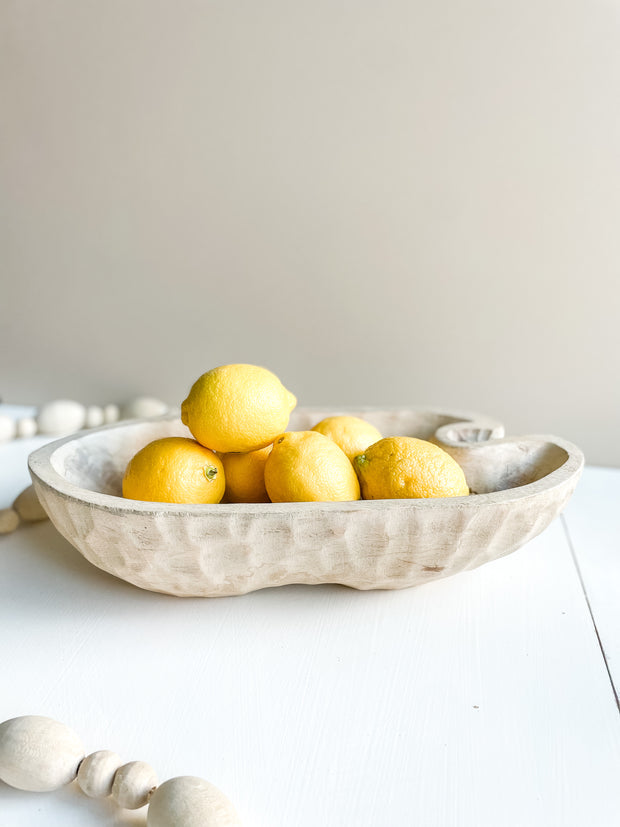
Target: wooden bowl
520, 485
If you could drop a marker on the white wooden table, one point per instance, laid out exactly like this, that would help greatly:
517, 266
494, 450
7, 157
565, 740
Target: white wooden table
486, 699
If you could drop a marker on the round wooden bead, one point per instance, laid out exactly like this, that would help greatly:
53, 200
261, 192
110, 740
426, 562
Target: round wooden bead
28, 506
94, 416
38, 754
7, 428
62, 416
111, 413
133, 783
192, 802
144, 407
26, 427
96, 773
9, 520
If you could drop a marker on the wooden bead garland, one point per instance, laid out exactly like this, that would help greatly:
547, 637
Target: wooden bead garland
28, 507
133, 784
192, 802
9, 520
39, 754
96, 773
61, 416
26, 427
25, 509
8, 428
64, 416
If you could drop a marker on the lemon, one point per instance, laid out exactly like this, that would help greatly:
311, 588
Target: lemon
401, 467
237, 408
305, 466
245, 476
350, 433
174, 470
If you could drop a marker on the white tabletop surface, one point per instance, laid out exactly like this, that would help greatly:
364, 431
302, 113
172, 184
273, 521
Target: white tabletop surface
484, 699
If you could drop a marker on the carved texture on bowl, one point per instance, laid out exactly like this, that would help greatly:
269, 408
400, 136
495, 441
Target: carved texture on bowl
226, 550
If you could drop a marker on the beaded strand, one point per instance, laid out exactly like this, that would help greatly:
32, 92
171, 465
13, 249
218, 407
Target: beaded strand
57, 418
40, 754
64, 416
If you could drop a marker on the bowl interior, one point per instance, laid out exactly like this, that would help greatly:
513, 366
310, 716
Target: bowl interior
504, 464
96, 460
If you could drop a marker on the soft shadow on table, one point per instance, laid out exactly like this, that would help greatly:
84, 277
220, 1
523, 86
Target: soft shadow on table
51, 566
73, 807
46, 555
43, 562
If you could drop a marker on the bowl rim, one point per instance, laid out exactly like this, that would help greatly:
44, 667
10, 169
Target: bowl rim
42, 471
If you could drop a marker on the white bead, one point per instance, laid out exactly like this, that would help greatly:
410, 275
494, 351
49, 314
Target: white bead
96, 773
9, 520
62, 416
93, 417
7, 428
111, 413
133, 784
191, 802
26, 427
144, 407
28, 506
38, 754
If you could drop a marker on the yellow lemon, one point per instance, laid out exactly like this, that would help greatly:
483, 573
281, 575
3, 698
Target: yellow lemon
245, 476
174, 470
350, 433
401, 467
237, 408
305, 466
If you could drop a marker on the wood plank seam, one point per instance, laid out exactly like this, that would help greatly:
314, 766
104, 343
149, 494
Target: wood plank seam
590, 610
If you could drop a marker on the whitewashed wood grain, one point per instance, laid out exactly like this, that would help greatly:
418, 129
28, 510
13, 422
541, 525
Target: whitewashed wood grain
593, 522
479, 700
225, 550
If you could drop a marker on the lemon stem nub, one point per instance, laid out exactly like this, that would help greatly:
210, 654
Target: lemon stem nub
210, 472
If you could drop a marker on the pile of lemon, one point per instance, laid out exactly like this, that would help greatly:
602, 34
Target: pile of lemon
242, 452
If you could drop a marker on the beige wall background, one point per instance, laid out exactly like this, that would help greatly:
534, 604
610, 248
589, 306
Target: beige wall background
386, 203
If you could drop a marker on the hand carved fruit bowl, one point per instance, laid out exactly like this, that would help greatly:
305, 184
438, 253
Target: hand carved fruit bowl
520, 484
